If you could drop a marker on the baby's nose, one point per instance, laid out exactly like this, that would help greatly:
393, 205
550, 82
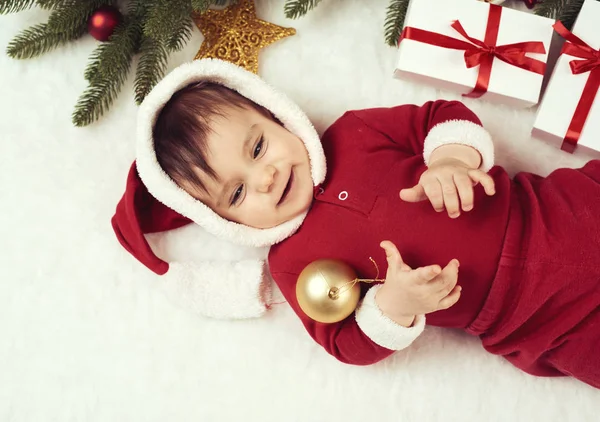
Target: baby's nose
268, 178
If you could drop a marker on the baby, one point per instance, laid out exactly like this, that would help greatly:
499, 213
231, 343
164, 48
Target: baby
224, 150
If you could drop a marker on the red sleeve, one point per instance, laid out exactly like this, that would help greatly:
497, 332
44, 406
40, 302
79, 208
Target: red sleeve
408, 126
343, 340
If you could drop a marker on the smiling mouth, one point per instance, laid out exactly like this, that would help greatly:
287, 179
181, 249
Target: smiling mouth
287, 189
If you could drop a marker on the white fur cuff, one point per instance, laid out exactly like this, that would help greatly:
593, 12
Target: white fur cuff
461, 132
383, 330
227, 290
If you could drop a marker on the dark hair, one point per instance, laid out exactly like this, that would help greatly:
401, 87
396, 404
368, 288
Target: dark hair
183, 126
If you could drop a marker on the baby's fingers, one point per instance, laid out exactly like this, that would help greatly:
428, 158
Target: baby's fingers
414, 194
433, 190
392, 255
448, 277
425, 274
465, 190
450, 196
485, 179
451, 299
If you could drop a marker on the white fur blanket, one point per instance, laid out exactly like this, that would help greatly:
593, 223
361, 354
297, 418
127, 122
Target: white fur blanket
86, 334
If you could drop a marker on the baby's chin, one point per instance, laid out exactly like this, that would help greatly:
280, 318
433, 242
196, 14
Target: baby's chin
265, 225
253, 223
268, 225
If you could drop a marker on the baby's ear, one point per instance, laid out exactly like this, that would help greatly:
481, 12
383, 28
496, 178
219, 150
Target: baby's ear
219, 289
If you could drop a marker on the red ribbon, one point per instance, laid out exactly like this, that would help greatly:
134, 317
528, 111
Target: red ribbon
482, 53
590, 62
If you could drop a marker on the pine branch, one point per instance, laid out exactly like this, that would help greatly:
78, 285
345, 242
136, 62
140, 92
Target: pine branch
13, 6
394, 21
38, 40
182, 33
151, 67
199, 6
169, 21
111, 63
66, 23
295, 8
570, 12
52, 4
72, 15
551, 8
136, 14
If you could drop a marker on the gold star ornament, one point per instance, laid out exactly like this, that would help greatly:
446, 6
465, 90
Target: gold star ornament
236, 35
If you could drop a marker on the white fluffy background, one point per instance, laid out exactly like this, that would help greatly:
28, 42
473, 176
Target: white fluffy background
87, 335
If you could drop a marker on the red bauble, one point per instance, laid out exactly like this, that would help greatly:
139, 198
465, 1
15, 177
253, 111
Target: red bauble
530, 3
103, 21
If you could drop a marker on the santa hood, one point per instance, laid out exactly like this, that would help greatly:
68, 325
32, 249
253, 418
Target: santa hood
165, 190
154, 203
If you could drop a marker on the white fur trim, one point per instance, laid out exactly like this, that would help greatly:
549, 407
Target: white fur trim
227, 290
461, 132
251, 86
381, 329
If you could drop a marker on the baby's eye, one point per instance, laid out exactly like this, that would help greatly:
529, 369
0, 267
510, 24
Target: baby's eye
237, 194
258, 148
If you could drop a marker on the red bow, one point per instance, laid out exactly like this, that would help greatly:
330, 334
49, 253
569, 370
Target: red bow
590, 62
514, 54
482, 53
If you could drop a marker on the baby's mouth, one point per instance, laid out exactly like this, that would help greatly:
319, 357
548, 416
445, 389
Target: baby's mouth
288, 188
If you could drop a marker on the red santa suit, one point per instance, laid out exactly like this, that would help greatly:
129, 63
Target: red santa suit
530, 254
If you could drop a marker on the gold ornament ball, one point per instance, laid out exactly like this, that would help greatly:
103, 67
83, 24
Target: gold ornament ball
326, 290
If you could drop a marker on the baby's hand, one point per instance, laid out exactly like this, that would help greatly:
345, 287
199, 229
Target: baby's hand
444, 182
407, 292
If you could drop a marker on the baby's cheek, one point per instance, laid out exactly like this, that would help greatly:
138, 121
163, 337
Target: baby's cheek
258, 215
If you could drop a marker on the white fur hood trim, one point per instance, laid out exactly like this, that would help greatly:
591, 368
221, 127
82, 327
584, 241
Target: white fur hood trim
165, 190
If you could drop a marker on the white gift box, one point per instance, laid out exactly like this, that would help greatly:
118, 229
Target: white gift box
565, 90
445, 68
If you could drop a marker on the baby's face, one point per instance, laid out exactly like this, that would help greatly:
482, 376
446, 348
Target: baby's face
263, 170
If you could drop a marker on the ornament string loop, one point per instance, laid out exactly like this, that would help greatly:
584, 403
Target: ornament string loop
334, 292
